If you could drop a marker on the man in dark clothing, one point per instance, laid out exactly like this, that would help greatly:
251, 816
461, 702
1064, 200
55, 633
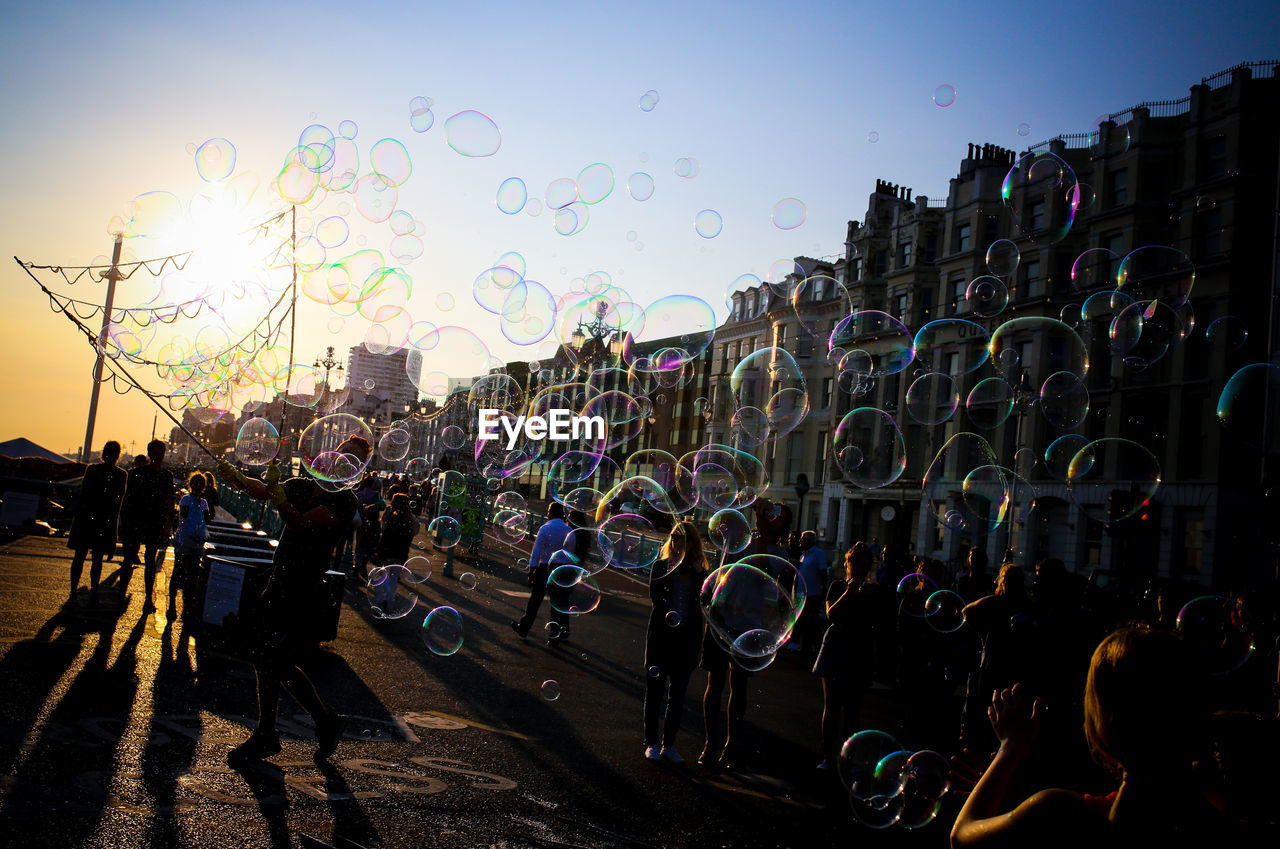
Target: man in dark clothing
97, 513
144, 520
314, 519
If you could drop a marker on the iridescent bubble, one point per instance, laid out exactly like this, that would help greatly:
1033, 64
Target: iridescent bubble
1059, 454
989, 495
572, 590
419, 568
595, 183
560, 193
640, 186
1144, 332
1249, 401
740, 599
383, 591
257, 443
873, 136
1094, 268
440, 355
944, 95
961, 455
375, 199
390, 161
1024, 129
446, 531
321, 447
932, 398
629, 541
987, 296
1104, 306
452, 437
467, 580
550, 690
648, 100
688, 317
914, 591
472, 134
729, 530
1214, 628
944, 611
442, 631
1227, 331
687, 167
572, 219
952, 346
1156, 272
1003, 258
672, 619
708, 223
860, 756
421, 118
1113, 479
788, 214
512, 195
348, 129
989, 403
394, 445
1051, 347
887, 345
1042, 195
869, 448
1064, 400
215, 160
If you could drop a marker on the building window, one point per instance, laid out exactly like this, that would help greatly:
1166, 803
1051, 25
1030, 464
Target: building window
819, 289
804, 343
795, 459
1118, 187
781, 336
855, 270
960, 240
926, 305
1115, 244
900, 306
827, 384
1192, 548
990, 230
957, 301
1209, 233
1035, 215
904, 254
820, 469
1215, 158
1031, 282
951, 363
931, 247
881, 263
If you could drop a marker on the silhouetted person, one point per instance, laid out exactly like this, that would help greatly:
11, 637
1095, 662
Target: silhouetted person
1146, 721
144, 521
550, 539
295, 600
846, 661
975, 582
995, 619
194, 515
673, 638
813, 570
97, 513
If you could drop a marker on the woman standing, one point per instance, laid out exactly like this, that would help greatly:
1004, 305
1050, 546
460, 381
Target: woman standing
673, 639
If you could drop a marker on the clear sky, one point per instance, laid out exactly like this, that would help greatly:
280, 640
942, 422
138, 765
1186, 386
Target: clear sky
774, 100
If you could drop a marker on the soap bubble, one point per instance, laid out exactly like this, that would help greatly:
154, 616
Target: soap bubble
257, 443
1214, 628
550, 690
472, 134
944, 95
648, 100
383, 591
445, 530
442, 631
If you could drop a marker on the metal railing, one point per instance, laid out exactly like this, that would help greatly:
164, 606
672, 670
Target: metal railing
1221, 78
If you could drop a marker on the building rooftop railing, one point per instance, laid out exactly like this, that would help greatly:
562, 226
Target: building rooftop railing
1221, 78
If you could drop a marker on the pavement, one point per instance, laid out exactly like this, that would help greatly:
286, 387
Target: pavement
115, 727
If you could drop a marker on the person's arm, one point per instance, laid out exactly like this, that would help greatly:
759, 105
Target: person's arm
539, 555
834, 607
1015, 719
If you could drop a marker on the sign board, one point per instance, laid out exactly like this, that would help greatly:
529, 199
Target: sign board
222, 595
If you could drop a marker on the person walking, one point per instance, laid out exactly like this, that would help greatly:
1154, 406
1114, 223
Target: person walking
813, 571
145, 517
292, 606
550, 539
673, 638
194, 516
97, 515
846, 661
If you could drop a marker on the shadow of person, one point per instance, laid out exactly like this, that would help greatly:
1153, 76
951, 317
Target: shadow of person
99, 702
174, 730
30, 670
266, 782
351, 827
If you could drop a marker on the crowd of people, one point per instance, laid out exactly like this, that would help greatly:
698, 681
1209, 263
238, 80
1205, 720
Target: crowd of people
1044, 673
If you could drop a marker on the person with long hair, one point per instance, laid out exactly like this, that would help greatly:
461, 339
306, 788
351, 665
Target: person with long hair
673, 638
995, 620
1146, 720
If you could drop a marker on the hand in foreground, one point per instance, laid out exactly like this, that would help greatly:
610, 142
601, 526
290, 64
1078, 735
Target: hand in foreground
230, 474
966, 768
1015, 717
272, 474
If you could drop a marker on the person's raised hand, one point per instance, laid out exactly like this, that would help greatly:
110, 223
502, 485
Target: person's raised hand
272, 474
1015, 717
230, 473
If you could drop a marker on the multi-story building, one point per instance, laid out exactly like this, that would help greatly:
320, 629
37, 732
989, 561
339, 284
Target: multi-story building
1198, 176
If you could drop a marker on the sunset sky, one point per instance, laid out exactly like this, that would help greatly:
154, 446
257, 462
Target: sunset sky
774, 100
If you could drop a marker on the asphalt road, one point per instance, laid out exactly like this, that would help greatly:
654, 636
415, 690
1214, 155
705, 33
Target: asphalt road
114, 731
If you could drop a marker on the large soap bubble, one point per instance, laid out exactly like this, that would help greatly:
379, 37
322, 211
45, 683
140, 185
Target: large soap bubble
869, 448
1042, 195
326, 453
1113, 479
257, 443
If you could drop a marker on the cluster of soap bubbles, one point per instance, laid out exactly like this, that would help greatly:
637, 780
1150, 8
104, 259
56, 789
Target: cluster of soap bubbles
890, 785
